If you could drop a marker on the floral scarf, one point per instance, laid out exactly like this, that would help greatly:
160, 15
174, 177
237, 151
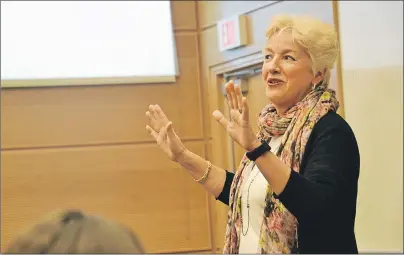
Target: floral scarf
279, 228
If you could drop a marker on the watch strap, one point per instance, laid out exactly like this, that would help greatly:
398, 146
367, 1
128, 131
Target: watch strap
259, 151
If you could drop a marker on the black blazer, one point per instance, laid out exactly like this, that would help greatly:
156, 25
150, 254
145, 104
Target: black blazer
323, 195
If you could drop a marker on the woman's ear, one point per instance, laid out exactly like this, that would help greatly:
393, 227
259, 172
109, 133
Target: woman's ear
318, 77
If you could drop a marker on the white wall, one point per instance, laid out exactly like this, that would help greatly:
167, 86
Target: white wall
372, 60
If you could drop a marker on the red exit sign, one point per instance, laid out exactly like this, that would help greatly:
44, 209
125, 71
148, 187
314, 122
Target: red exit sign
232, 33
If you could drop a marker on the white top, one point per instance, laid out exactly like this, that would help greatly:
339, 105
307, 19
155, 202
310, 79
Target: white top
254, 190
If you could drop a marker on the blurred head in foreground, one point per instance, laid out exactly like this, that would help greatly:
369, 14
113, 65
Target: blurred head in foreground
75, 232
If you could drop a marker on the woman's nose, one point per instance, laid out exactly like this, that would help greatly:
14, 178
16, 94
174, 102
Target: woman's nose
275, 70
272, 66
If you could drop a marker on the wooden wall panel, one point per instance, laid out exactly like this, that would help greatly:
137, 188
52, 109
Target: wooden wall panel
87, 147
184, 15
102, 114
80, 116
135, 184
189, 97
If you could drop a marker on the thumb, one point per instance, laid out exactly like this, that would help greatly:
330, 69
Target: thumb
221, 119
170, 130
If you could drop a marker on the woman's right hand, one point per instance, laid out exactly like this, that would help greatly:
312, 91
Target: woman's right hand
160, 128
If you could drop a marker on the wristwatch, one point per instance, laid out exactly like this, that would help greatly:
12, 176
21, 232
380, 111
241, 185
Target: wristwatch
259, 151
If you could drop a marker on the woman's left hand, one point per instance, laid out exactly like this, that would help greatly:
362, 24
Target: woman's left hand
238, 127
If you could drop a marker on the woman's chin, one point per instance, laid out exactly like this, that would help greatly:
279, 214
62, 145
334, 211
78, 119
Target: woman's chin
274, 96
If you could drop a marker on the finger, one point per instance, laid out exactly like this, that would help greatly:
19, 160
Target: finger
245, 114
229, 95
234, 99
239, 97
160, 113
229, 101
170, 130
153, 111
153, 121
148, 114
152, 132
221, 119
229, 86
162, 135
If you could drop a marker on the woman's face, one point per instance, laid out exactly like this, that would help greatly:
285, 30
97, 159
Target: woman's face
287, 72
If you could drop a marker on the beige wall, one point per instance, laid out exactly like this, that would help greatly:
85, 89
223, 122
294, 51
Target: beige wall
371, 36
87, 147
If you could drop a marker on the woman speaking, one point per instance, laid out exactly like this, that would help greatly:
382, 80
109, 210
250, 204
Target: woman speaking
296, 187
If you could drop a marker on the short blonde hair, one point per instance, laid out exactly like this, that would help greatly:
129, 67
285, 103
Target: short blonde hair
318, 38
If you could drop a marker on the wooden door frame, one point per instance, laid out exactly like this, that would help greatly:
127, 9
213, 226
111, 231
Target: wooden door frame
338, 65
220, 139
219, 136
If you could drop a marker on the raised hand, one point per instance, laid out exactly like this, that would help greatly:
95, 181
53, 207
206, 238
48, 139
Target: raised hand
238, 127
161, 130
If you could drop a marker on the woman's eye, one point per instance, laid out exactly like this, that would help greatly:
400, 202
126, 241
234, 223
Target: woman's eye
268, 56
288, 57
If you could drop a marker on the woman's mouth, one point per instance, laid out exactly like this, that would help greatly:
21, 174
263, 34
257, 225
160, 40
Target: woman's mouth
274, 81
